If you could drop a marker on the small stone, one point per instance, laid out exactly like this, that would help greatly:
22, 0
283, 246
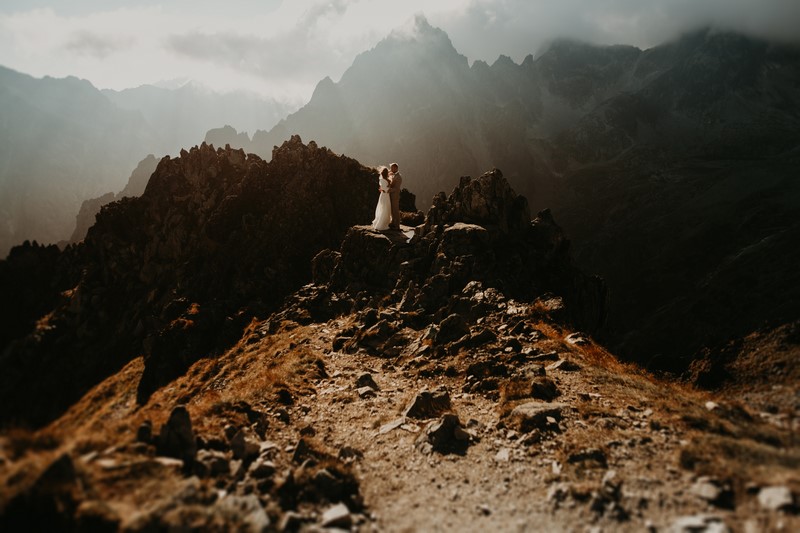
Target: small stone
776, 498
145, 432
366, 380
389, 426
248, 510
565, 365
308, 431
713, 491
710, 406
366, 392
213, 462
577, 338
445, 435
244, 447
290, 521
337, 516
429, 404
504, 455
282, 414
261, 469
348, 453
699, 524
534, 415
588, 456
544, 389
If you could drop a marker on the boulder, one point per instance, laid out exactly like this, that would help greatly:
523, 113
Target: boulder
176, 438
776, 498
535, 415
446, 435
429, 404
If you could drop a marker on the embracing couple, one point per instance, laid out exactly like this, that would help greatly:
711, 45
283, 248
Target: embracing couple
387, 213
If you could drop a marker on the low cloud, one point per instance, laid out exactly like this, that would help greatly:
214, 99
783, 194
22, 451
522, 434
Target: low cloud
96, 45
284, 48
489, 28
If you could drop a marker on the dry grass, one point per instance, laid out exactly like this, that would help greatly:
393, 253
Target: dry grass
741, 459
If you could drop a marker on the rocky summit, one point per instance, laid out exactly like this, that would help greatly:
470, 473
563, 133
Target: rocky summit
442, 377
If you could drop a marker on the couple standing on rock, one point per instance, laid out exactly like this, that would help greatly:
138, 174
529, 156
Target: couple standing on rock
387, 212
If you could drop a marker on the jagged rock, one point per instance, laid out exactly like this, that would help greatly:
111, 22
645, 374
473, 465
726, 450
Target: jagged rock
429, 404
487, 200
535, 415
451, 328
176, 438
776, 498
446, 435
337, 516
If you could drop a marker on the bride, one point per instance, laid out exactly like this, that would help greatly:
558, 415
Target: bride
383, 211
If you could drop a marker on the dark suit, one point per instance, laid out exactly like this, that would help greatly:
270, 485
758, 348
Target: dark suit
394, 195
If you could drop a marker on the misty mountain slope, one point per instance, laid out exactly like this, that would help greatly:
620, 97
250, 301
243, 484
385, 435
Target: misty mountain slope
183, 115
62, 142
91, 207
217, 238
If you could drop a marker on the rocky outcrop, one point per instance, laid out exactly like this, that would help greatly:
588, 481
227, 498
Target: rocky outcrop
481, 233
218, 237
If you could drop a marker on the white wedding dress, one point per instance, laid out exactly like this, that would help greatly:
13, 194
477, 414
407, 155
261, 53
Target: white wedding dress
383, 211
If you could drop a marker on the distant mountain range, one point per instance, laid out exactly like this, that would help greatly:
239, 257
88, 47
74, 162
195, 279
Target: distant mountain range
673, 169
63, 141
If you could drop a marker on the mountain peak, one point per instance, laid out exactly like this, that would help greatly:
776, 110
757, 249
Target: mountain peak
421, 31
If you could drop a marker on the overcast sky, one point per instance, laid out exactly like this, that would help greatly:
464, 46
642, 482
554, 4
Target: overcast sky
283, 48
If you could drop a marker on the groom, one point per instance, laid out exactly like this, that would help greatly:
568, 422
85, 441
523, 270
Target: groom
395, 182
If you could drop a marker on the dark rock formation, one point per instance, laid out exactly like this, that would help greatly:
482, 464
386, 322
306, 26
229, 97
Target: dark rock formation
522, 259
32, 279
218, 237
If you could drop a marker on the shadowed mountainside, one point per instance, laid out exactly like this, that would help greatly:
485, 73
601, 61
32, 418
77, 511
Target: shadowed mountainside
217, 238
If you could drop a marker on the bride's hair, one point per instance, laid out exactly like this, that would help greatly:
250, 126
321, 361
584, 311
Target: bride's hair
382, 169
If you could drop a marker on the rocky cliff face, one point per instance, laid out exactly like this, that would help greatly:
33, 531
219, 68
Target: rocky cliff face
218, 237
